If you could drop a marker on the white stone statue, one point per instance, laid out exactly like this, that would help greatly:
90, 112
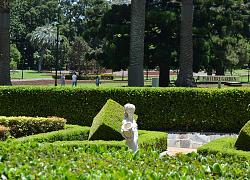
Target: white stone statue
129, 129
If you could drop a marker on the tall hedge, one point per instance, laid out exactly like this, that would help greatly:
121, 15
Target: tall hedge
176, 109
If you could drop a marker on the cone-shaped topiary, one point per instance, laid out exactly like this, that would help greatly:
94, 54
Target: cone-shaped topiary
107, 123
243, 141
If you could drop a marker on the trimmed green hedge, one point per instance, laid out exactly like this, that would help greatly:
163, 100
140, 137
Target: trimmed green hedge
77, 136
23, 126
147, 139
182, 109
225, 146
107, 123
243, 141
70, 133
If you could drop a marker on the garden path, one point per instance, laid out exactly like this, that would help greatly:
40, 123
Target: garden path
182, 142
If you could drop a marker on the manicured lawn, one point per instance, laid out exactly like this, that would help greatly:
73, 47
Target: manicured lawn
29, 74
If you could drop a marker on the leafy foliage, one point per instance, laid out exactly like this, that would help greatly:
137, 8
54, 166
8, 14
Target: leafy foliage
218, 26
107, 123
225, 147
23, 126
157, 109
77, 136
15, 56
243, 141
34, 160
70, 133
78, 55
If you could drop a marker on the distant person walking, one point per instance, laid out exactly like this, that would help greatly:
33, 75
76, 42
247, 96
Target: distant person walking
74, 80
97, 81
62, 80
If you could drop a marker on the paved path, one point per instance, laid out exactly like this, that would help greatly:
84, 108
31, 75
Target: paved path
172, 151
189, 142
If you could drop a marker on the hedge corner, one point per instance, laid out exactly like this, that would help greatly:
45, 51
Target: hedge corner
107, 123
243, 141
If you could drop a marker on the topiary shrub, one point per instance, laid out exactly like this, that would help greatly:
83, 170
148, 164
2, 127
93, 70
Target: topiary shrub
107, 123
243, 141
23, 126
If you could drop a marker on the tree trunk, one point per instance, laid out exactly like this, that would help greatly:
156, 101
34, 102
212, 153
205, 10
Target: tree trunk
136, 54
164, 79
185, 76
219, 69
4, 43
40, 62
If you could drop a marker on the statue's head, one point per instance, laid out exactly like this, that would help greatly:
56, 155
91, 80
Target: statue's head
129, 110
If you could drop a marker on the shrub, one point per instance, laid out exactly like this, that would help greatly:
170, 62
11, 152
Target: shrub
23, 126
64, 161
107, 123
224, 146
107, 76
70, 133
243, 140
77, 136
181, 109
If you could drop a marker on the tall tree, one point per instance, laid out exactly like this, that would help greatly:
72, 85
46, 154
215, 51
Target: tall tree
185, 76
136, 54
78, 55
43, 38
4, 43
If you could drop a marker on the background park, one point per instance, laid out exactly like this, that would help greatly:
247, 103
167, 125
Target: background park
175, 60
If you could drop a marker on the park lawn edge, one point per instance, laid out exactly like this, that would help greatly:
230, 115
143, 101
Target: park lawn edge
225, 146
77, 136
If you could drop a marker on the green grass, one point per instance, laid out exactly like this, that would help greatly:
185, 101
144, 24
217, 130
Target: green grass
224, 146
29, 74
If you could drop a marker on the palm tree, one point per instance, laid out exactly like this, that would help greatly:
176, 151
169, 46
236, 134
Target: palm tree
4, 43
185, 76
43, 38
136, 54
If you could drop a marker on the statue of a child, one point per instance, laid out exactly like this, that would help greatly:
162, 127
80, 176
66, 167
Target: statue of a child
129, 129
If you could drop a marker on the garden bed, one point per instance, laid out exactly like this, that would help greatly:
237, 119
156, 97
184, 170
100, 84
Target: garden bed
33, 160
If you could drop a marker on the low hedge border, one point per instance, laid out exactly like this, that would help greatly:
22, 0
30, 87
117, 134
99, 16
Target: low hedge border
163, 109
70, 133
23, 126
225, 146
77, 136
